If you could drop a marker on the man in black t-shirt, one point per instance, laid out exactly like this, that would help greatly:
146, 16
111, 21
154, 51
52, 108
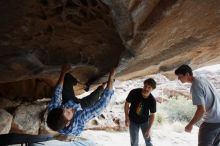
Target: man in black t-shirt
139, 109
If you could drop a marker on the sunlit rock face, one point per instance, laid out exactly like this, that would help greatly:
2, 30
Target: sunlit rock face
139, 36
167, 33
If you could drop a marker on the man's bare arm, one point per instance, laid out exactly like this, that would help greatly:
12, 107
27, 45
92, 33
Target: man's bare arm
197, 116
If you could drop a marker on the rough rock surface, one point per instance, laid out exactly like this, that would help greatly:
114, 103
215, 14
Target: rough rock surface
28, 118
140, 36
167, 33
5, 121
8, 104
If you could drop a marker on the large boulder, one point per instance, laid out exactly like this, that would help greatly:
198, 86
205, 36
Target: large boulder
141, 37
27, 118
5, 121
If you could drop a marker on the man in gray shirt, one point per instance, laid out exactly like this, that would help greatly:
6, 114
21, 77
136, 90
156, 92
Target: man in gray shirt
207, 100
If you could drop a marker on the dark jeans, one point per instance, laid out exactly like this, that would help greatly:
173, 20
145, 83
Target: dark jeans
68, 93
134, 133
209, 134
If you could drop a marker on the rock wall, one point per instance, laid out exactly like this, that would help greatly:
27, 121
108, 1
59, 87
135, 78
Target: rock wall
140, 37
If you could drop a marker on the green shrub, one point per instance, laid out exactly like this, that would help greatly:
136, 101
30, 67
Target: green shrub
177, 109
161, 118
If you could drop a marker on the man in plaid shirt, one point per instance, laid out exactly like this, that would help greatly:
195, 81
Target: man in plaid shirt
68, 116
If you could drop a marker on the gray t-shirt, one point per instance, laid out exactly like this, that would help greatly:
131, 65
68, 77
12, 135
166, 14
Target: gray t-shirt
204, 93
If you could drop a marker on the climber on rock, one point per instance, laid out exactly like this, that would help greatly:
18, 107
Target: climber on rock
67, 114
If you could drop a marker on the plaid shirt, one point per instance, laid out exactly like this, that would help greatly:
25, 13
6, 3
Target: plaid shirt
81, 116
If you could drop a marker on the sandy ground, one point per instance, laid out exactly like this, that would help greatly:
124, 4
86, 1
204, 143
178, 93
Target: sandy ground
167, 135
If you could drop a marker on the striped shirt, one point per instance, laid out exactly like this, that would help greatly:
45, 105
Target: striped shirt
81, 116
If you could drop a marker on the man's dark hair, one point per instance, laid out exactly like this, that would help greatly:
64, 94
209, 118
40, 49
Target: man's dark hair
183, 70
56, 120
150, 82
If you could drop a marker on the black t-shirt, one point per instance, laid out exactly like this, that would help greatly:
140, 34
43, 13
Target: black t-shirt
140, 106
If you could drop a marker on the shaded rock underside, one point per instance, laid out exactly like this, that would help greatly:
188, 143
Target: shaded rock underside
140, 37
